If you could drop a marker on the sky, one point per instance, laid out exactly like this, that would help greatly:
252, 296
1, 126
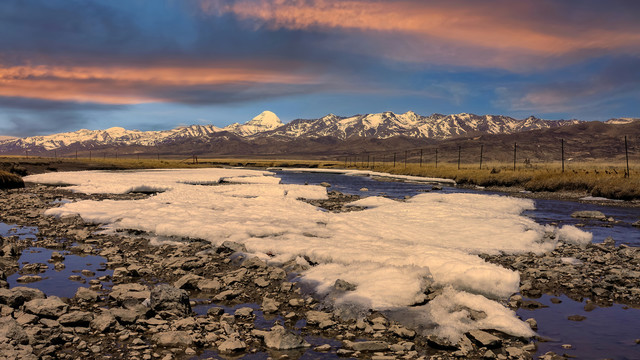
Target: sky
159, 64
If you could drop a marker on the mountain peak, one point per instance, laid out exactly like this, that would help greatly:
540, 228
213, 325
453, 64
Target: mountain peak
266, 119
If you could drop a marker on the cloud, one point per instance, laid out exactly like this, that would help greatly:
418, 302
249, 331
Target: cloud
608, 86
140, 84
502, 34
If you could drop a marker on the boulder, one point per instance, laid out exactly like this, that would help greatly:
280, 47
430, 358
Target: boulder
366, 345
483, 338
19, 295
589, 214
281, 339
176, 339
103, 322
129, 293
12, 331
167, 298
231, 345
188, 282
51, 307
342, 285
209, 285
76, 318
84, 294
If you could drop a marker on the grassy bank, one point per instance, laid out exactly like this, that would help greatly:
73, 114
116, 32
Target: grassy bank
597, 179
10, 181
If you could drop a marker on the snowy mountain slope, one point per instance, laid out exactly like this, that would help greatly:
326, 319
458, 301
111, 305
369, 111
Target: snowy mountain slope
267, 125
436, 126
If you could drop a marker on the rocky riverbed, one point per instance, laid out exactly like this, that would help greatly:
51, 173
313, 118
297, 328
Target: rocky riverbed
184, 298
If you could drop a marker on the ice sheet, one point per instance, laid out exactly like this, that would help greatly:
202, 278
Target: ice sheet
393, 251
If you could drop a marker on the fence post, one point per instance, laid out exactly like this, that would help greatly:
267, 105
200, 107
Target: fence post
436, 158
515, 149
76, 154
626, 153
562, 146
459, 150
481, 148
405, 159
420, 157
394, 159
158, 156
26, 153
55, 153
368, 160
373, 159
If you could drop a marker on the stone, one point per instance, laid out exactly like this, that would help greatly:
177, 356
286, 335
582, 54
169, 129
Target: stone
11, 330
576, 317
51, 307
483, 338
56, 256
281, 339
129, 293
636, 224
103, 322
269, 305
243, 312
254, 263
124, 316
178, 339
84, 294
342, 285
364, 189
188, 282
19, 295
514, 352
589, 214
325, 184
28, 278
76, 318
437, 342
322, 319
533, 324
231, 345
322, 348
366, 345
209, 285
402, 332
231, 247
215, 311
167, 298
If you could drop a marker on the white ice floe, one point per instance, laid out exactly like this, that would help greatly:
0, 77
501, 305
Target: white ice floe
373, 174
392, 251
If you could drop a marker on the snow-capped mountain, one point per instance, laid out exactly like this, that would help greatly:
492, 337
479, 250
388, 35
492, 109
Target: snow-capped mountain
436, 126
268, 125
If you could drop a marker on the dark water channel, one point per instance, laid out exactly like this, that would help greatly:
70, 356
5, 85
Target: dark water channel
607, 332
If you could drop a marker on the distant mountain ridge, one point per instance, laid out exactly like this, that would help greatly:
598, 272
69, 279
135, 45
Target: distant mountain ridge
267, 125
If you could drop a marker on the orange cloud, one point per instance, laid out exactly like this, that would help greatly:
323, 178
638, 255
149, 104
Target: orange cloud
502, 26
132, 85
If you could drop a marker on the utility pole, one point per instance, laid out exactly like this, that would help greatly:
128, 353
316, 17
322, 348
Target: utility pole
436, 158
420, 157
481, 148
562, 147
626, 152
459, 150
515, 149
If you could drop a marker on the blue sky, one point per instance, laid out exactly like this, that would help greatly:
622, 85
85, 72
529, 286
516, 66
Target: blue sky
158, 64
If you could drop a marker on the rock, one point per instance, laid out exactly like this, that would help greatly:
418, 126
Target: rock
589, 214
364, 189
281, 339
269, 305
215, 311
231, 247
325, 184
402, 332
243, 312
254, 263
51, 307
28, 278
19, 295
366, 345
322, 348
322, 319
84, 294
56, 256
483, 338
576, 317
167, 298
437, 342
533, 324
12, 331
209, 286
231, 345
277, 274
177, 339
76, 318
188, 282
489, 355
342, 285
636, 224
124, 316
129, 293
103, 322
514, 352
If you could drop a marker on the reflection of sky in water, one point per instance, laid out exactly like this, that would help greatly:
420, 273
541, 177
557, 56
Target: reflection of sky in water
547, 211
23, 232
608, 332
55, 282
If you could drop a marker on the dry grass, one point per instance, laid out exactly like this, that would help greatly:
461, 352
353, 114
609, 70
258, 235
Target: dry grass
604, 180
10, 181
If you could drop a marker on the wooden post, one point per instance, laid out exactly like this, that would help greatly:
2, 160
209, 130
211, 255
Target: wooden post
481, 148
367, 160
420, 157
459, 150
436, 158
626, 153
373, 162
76, 154
515, 149
394, 159
345, 161
562, 147
405, 159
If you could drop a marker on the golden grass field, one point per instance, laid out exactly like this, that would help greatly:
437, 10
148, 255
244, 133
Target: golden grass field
599, 179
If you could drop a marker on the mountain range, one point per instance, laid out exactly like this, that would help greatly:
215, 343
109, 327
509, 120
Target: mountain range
331, 135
